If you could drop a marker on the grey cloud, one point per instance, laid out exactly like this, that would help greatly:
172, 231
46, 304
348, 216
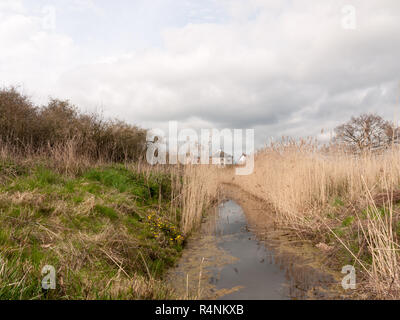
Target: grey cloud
289, 69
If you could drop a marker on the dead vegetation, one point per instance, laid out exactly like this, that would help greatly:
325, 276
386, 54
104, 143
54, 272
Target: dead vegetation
343, 202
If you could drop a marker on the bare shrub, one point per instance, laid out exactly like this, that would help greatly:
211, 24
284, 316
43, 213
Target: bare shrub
28, 130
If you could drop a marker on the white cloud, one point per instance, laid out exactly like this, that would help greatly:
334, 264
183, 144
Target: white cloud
281, 67
11, 6
32, 56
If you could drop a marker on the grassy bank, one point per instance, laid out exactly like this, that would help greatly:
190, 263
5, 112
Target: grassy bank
110, 232
75, 195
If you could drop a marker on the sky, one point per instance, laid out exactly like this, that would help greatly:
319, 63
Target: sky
284, 68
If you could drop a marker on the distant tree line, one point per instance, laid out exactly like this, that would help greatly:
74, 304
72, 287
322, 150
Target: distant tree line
367, 132
26, 128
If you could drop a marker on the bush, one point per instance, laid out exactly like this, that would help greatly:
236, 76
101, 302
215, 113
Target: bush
28, 129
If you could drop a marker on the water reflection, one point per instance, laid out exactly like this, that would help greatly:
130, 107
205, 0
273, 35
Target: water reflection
254, 271
226, 260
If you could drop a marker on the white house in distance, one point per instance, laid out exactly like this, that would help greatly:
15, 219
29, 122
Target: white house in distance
223, 158
243, 159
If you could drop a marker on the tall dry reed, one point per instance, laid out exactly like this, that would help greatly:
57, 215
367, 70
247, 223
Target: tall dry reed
302, 182
199, 190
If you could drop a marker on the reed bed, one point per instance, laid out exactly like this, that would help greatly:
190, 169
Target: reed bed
319, 192
199, 190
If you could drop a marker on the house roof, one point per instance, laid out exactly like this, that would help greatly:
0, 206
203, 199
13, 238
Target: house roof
221, 154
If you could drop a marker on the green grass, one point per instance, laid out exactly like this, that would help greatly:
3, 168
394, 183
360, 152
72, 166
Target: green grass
120, 179
338, 202
106, 212
88, 227
348, 221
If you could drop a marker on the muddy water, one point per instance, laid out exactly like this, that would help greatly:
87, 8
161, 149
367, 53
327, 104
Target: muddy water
235, 257
254, 271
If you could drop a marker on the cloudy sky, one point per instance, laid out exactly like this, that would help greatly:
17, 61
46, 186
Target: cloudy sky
282, 67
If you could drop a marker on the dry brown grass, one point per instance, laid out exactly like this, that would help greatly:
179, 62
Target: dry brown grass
316, 192
199, 190
194, 197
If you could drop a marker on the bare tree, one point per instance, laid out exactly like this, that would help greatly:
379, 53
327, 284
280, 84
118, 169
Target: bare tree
366, 131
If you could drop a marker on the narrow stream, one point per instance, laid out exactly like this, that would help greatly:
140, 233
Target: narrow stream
226, 260
254, 271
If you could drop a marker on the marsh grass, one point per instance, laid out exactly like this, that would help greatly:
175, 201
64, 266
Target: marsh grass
348, 202
200, 189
